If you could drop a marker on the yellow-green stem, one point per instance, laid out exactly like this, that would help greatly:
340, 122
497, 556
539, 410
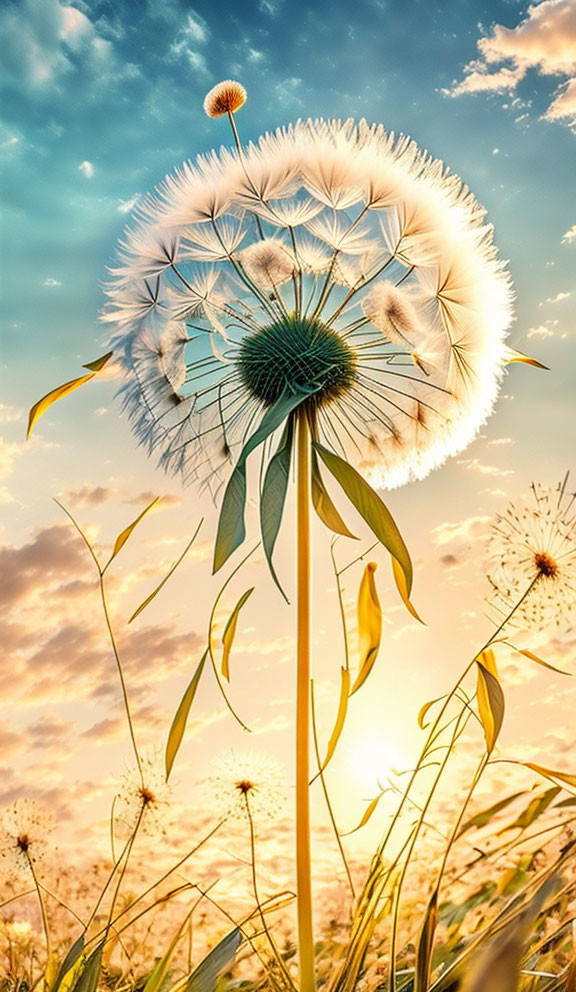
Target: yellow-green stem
303, 881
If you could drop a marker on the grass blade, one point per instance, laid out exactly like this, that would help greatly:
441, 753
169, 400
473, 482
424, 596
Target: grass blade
170, 572
123, 537
179, 722
369, 625
230, 633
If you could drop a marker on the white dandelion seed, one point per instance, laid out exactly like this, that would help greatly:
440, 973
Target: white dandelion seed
281, 249
25, 828
247, 782
532, 555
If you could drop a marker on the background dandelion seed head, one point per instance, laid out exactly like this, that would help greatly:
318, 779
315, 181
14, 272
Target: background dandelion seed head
25, 829
237, 778
144, 798
533, 544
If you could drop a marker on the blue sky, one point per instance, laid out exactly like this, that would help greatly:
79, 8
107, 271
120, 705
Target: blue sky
100, 101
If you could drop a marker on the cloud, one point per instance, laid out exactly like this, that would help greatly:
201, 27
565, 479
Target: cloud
475, 465
570, 235
544, 41
87, 169
469, 529
126, 206
51, 283
555, 299
549, 329
185, 46
10, 414
43, 40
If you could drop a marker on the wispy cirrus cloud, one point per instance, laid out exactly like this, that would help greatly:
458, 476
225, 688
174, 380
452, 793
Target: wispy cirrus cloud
544, 41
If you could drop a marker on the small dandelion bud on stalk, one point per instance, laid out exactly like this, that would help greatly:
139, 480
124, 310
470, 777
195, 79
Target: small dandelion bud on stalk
533, 555
225, 98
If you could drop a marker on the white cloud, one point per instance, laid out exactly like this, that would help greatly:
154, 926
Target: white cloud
194, 33
545, 41
126, 206
555, 299
546, 330
87, 169
51, 283
42, 39
570, 235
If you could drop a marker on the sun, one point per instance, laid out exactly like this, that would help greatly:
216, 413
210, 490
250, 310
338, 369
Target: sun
371, 759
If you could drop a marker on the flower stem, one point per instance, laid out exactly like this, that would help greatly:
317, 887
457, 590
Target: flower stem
303, 880
42, 905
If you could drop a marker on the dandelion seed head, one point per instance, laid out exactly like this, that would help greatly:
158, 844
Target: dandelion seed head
144, 797
333, 224
225, 98
533, 547
268, 263
25, 827
247, 781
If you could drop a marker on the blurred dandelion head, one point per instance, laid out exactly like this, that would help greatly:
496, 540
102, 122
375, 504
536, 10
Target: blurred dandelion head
144, 798
533, 547
25, 827
330, 257
225, 98
247, 783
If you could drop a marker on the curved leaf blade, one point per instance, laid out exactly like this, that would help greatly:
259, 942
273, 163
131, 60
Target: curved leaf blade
231, 529
273, 496
517, 356
59, 393
425, 944
481, 819
87, 980
230, 633
98, 364
550, 773
69, 961
490, 704
123, 537
367, 813
371, 508
369, 625
170, 572
181, 718
400, 581
205, 977
323, 504
340, 716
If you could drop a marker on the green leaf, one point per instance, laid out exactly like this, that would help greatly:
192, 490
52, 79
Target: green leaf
42, 405
170, 572
87, 980
484, 817
425, 944
179, 722
323, 504
157, 976
273, 496
490, 704
371, 508
369, 625
69, 961
205, 977
123, 537
230, 633
340, 717
231, 530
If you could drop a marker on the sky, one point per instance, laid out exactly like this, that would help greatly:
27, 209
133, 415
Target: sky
100, 100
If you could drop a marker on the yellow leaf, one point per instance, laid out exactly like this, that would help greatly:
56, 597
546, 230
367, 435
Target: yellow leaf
488, 659
490, 702
424, 709
367, 813
425, 944
400, 580
123, 537
517, 356
170, 572
341, 716
55, 394
99, 363
539, 661
179, 722
551, 774
230, 633
369, 625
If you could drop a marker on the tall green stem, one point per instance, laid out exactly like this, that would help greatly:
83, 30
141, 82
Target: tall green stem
303, 880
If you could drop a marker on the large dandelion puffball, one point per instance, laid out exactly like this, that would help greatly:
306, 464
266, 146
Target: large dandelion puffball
331, 258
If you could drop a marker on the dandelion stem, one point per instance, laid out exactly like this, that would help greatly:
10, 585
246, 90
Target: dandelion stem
41, 904
303, 880
276, 953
